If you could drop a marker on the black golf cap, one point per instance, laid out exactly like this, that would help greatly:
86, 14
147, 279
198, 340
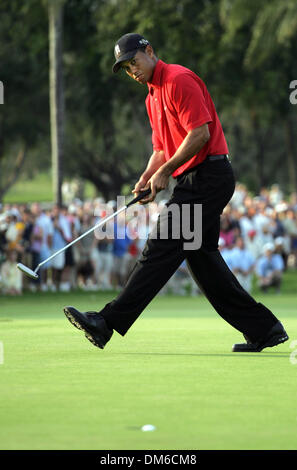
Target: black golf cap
126, 48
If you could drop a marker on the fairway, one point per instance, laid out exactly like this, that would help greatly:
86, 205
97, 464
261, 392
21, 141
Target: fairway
174, 369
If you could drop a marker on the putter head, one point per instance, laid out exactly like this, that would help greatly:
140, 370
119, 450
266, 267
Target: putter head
27, 271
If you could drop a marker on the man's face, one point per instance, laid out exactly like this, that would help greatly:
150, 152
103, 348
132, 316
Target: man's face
269, 253
141, 66
35, 209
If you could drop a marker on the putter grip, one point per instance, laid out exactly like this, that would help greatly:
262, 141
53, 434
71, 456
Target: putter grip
139, 197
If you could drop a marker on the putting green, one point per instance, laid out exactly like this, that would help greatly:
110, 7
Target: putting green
174, 369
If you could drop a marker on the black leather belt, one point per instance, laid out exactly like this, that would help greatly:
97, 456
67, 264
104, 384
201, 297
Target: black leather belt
211, 158
214, 158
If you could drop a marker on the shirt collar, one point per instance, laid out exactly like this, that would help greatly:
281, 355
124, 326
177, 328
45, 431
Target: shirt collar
157, 74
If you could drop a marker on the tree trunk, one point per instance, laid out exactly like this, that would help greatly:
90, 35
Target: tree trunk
56, 94
15, 172
259, 151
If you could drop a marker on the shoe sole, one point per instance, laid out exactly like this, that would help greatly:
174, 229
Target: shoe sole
95, 340
234, 349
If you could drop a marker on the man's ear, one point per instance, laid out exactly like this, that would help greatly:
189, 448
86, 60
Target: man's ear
149, 50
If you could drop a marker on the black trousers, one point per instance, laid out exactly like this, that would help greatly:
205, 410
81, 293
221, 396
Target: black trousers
212, 185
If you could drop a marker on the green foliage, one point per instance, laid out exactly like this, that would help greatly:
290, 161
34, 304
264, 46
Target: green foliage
267, 64
24, 72
245, 51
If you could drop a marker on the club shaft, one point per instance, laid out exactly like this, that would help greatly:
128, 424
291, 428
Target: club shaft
99, 224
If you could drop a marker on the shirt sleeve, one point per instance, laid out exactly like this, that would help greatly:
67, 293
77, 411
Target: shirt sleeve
189, 102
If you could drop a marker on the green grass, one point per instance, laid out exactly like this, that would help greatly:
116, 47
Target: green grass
37, 189
173, 369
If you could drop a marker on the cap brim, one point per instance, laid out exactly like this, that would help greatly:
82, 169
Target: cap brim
129, 55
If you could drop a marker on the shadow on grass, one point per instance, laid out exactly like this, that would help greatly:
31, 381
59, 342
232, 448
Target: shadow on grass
207, 354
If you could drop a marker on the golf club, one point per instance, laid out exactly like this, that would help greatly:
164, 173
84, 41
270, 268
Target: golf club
34, 274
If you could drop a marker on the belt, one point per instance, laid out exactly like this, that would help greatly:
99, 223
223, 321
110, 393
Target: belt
211, 158
214, 158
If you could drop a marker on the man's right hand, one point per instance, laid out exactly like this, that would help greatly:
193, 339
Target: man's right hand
140, 185
156, 161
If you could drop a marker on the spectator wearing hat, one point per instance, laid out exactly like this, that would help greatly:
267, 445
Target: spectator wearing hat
269, 269
226, 252
15, 228
265, 236
282, 248
246, 221
254, 244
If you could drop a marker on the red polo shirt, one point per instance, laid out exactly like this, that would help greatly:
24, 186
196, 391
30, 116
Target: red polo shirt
177, 102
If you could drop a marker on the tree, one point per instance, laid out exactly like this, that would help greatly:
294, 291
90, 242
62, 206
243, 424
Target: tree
55, 14
269, 69
23, 71
107, 133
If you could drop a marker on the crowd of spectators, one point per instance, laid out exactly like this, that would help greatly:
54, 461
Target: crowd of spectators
258, 237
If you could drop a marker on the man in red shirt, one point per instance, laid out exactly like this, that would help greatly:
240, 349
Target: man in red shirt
188, 144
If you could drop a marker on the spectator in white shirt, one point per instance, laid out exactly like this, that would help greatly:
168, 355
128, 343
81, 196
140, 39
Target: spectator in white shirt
269, 269
253, 244
243, 263
10, 275
44, 223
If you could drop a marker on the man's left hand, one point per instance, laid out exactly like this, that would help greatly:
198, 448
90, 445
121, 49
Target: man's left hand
157, 183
